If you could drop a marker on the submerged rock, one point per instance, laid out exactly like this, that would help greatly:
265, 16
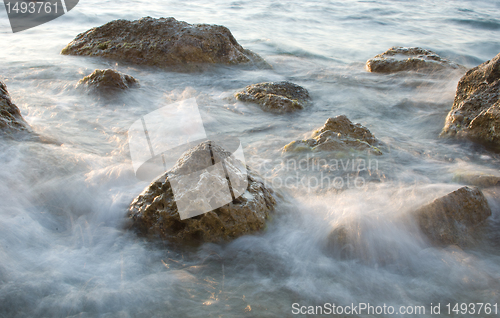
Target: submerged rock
477, 179
398, 59
163, 42
338, 134
454, 218
11, 121
365, 240
104, 80
276, 97
155, 211
476, 110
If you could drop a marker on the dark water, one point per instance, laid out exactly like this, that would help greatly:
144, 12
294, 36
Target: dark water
63, 252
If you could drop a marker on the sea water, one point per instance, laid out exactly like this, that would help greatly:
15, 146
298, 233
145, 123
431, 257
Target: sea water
64, 249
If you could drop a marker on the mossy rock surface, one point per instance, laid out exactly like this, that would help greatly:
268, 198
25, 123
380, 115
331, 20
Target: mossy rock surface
106, 80
276, 97
398, 59
164, 42
154, 212
338, 135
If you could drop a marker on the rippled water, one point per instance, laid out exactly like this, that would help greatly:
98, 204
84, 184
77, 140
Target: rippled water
63, 250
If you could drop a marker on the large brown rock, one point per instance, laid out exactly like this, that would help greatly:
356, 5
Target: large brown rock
455, 218
106, 80
155, 212
476, 110
11, 122
163, 42
398, 59
276, 97
338, 134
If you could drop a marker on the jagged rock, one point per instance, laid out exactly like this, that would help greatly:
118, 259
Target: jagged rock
104, 80
338, 134
476, 110
276, 97
155, 211
163, 42
454, 218
11, 121
398, 59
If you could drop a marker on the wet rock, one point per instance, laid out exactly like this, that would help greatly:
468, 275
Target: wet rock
105, 80
454, 219
11, 122
163, 42
475, 113
276, 97
340, 242
476, 179
398, 59
155, 212
338, 134
368, 240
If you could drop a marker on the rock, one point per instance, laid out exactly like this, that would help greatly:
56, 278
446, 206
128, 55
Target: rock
163, 42
476, 179
276, 97
367, 240
11, 121
398, 59
454, 218
338, 134
105, 80
155, 212
340, 242
475, 113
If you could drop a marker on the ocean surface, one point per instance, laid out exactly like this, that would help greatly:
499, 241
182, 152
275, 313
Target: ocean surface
64, 251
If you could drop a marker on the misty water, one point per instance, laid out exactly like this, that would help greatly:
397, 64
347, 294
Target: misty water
64, 249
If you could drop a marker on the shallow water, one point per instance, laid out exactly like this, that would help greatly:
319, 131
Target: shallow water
63, 250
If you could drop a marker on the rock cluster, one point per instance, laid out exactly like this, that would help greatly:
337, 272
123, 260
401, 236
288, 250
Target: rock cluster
105, 80
276, 97
338, 134
163, 42
155, 212
398, 59
11, 121
475, 113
